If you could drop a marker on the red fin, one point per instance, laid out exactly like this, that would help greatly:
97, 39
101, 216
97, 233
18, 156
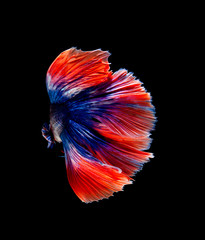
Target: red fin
125, 124
74, 70
92, 180
132, 113
124, 153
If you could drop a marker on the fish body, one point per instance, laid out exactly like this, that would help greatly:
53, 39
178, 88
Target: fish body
103, 120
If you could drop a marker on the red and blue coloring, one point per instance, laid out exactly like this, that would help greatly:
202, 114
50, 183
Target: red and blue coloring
103, 120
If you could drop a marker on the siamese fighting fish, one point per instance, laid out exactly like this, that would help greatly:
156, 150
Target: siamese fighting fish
103, 120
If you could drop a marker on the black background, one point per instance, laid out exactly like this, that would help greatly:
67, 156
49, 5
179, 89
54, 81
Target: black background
141, 42
139, 54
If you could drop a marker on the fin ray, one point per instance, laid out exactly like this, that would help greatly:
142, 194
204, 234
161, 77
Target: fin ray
91, 180
75, 70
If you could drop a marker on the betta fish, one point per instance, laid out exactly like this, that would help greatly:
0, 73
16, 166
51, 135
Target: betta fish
103, 120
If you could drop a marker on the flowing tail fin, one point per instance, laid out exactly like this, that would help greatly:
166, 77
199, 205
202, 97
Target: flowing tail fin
90, 179
106, 122
105, 139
